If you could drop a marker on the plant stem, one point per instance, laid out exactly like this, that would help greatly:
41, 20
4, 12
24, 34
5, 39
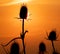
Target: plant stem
53, 46
23, 36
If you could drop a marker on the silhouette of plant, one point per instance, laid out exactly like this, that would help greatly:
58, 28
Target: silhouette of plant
23, 12
42, 48
55, 52
14, 48
52, 37
23, 15
23, 35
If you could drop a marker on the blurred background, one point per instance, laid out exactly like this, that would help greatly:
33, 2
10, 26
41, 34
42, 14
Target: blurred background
45, 15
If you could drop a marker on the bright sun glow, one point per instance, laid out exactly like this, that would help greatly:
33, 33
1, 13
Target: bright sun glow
25, 0
28, 15
14, 2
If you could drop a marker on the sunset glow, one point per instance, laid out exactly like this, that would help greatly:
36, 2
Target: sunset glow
11, 2
25, 0
45, 15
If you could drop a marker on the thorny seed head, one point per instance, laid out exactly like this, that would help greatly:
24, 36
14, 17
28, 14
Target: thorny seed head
42, 47
52, 36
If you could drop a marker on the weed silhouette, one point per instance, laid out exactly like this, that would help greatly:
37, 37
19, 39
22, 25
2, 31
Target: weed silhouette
23, 12
55, 52
14, 48
53, 37
23, 15
42, 48
14, 45
23, 35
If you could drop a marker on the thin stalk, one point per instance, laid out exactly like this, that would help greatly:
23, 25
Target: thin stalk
23, 36
53, 46
42, 53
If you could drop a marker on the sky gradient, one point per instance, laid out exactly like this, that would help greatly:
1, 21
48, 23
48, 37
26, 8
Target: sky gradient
45, 17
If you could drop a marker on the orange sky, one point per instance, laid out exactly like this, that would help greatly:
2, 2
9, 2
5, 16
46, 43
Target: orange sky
45, 17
